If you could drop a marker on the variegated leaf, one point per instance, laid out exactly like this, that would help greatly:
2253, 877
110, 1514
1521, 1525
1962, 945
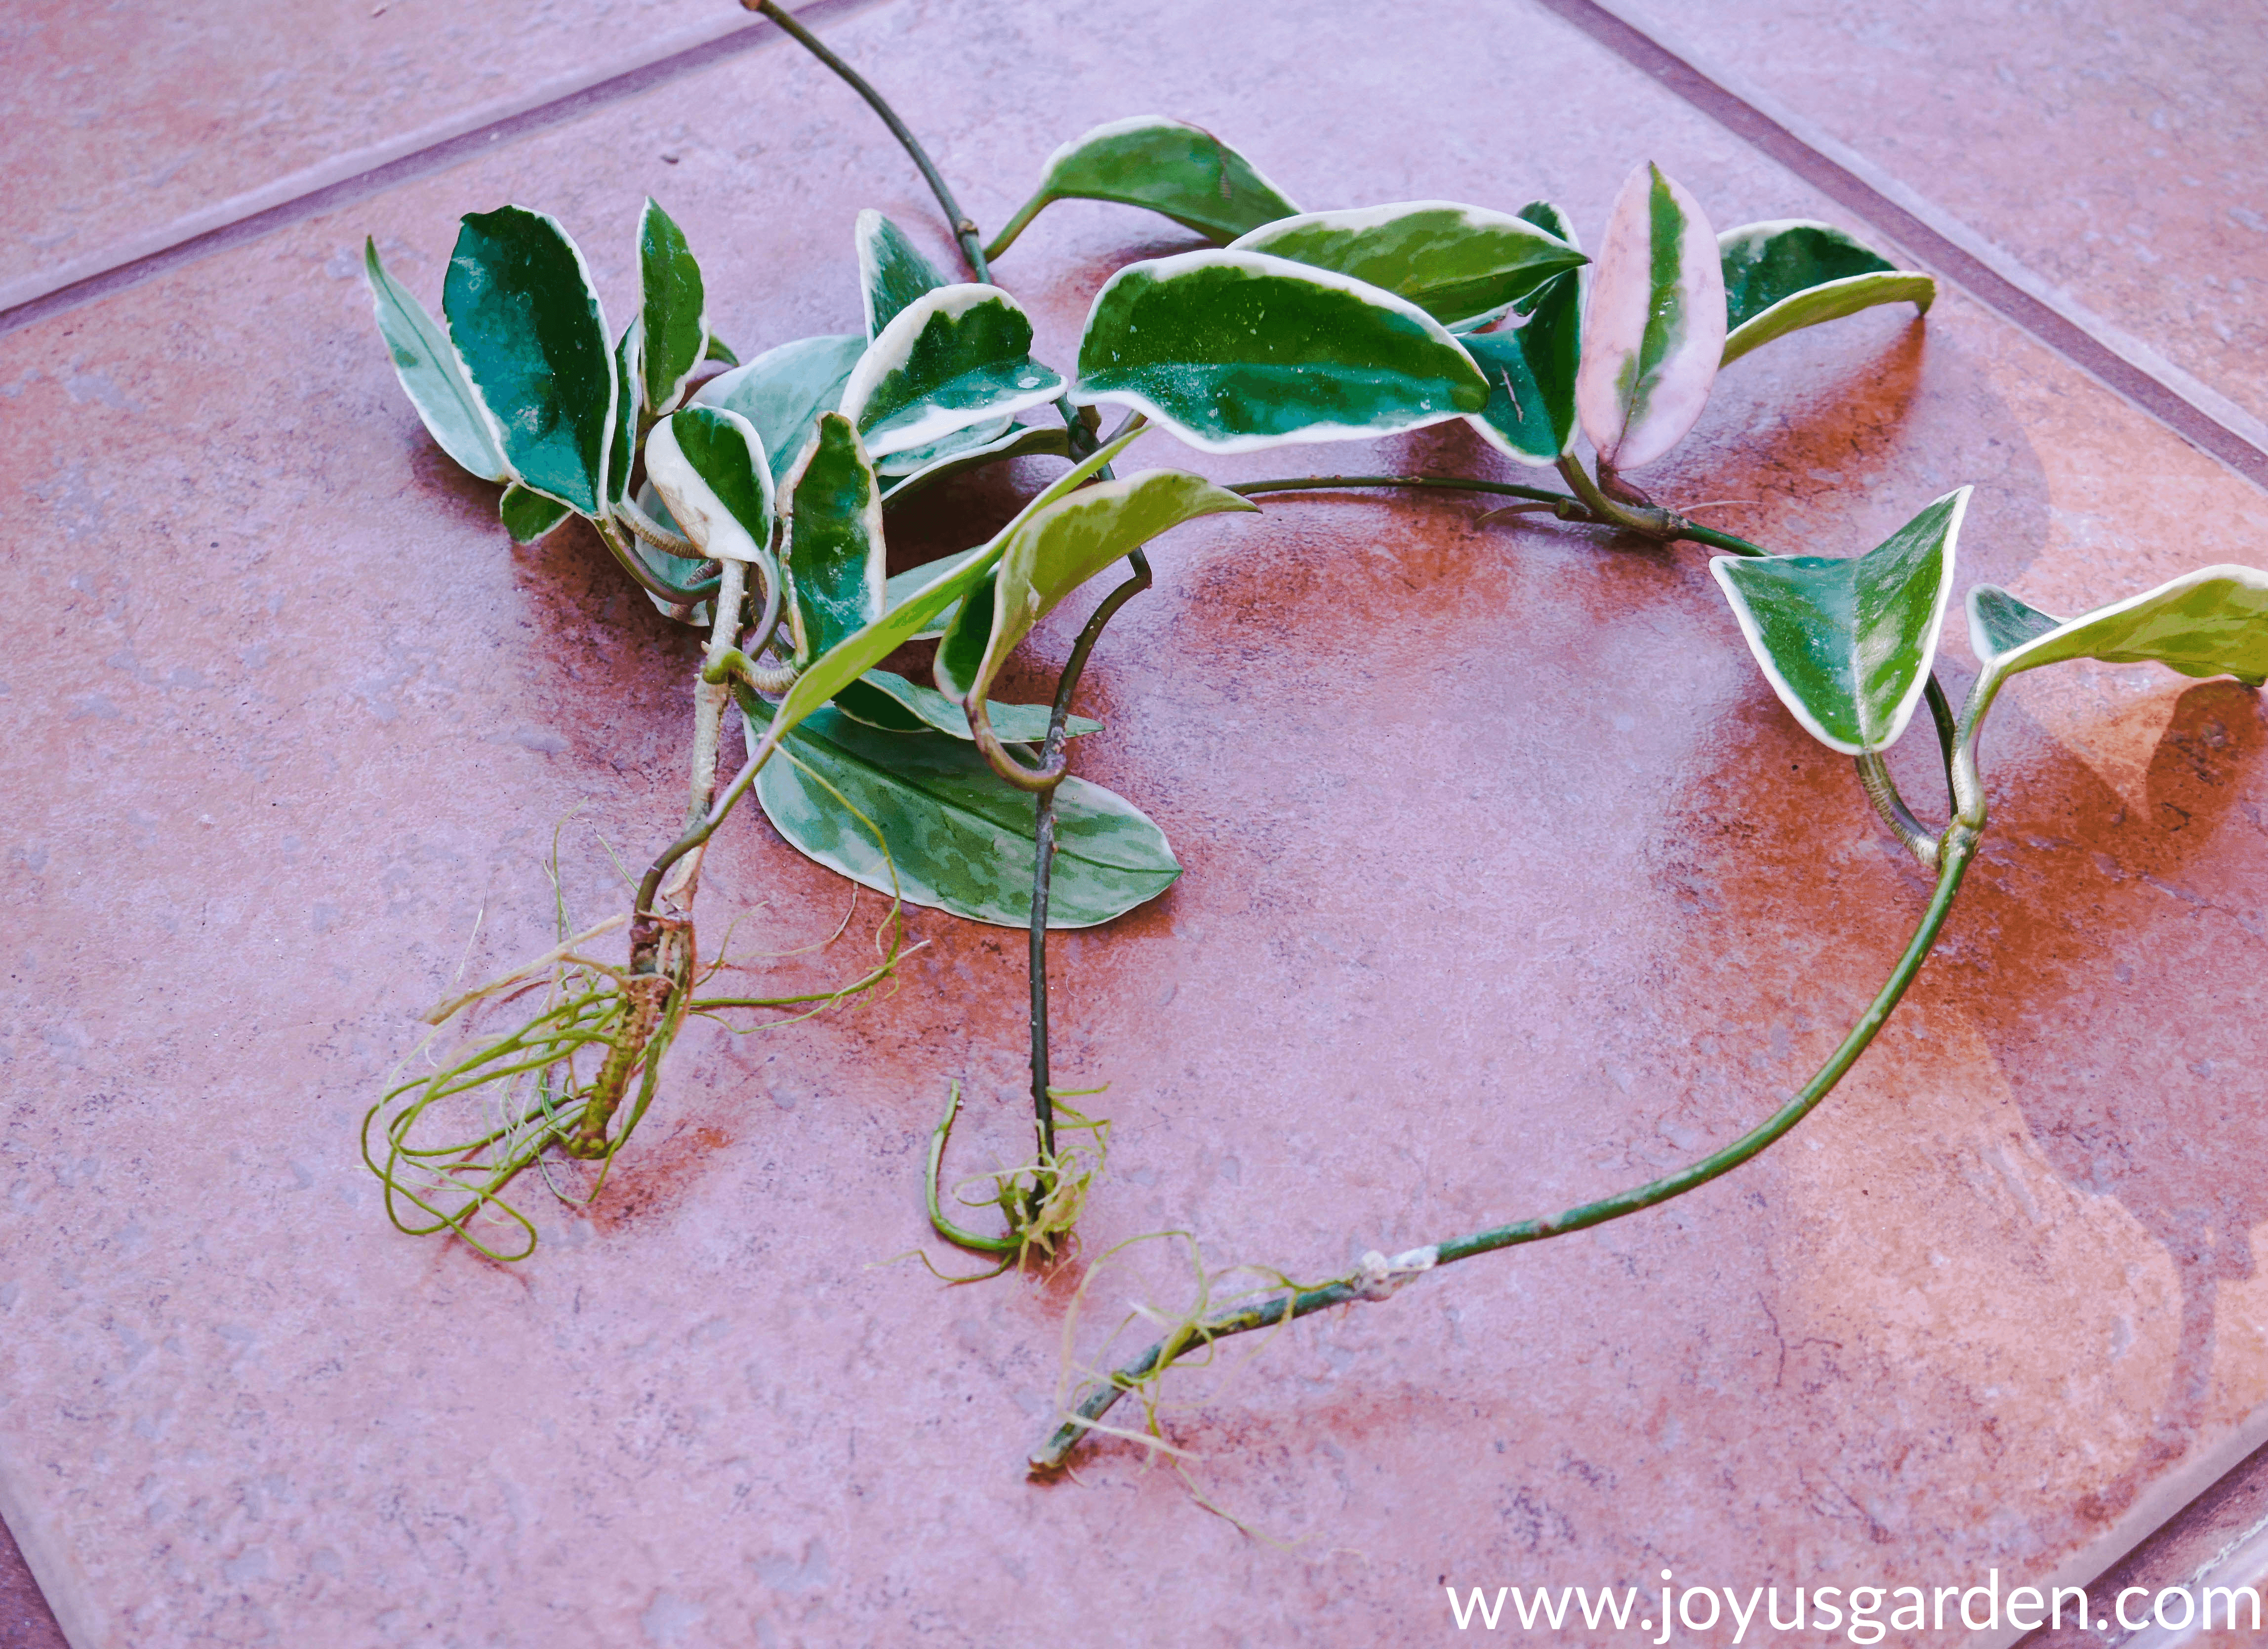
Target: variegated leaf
708, 464
525, 321
1019, 440
1460, 264
1236, 350
1654, 327
1055, 551
528, 516
955, 356
881, 699
783, 391
431, 375
1847, 645
892, 271
833, 549
1167, 166
674, 313
2213, 622
1531, 368
1794, 273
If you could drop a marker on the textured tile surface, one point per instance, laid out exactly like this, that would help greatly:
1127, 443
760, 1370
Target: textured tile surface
122, 127
1508, 884
2115, 148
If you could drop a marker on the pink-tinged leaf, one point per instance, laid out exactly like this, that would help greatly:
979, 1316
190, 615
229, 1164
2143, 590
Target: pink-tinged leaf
1653, 332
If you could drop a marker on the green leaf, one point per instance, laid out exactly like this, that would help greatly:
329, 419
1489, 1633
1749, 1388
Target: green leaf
833, 549
955, 356
783, 391
1794, 273
946, 582
1457, 263
1019, 440
903, 584
892, 270
708, 464
2213, 622
961, 838
719, 350
1531, 370
1847, 644
427, 364
674, 321
528, 516
1058, 548
1655, 327
1236, 350
1167, 165
624, 444
881, 699
913, 458
525, 321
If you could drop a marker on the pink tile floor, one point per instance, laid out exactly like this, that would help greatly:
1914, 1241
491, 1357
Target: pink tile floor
1507, 882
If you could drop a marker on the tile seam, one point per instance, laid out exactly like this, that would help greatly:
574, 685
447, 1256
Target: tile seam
1939, 241
315, 190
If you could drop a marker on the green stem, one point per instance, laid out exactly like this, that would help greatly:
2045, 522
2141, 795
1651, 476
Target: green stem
1017, 225
1442, 483
648, 580
964, 231
1959, 845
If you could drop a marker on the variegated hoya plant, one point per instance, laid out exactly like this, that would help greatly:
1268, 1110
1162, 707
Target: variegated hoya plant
755, 503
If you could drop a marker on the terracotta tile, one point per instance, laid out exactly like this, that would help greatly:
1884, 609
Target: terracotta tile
125, 129
2111, 147
1507, 883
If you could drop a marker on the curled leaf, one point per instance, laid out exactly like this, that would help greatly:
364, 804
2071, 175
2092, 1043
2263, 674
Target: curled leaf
426, 363
1793, 272
1847, 645
882, 699
1237, 350
708, 464
1655, 328
2213, 622
1460, 264
783, 391
955, 356
1167, 166
1056, 550
525, 321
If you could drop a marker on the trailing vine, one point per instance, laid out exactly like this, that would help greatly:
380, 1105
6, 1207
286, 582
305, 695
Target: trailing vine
753, 502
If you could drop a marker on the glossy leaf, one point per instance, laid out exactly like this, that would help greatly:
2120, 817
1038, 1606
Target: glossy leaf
1018, 441
2213, 622
833, 549
525, 321
1236, 350
961, 838
1057, 549
1457, 263
1654, 327
674, 315
960, 442
955, 356
902, 585
1167, 166
783, 391
881, 699
1794, 273
528, 516
1847, 645
892, 270
1531, 369
708, 464
431, 375
946, 582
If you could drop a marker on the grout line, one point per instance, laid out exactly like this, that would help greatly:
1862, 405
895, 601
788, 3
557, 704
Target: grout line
323, 188
2191, 409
